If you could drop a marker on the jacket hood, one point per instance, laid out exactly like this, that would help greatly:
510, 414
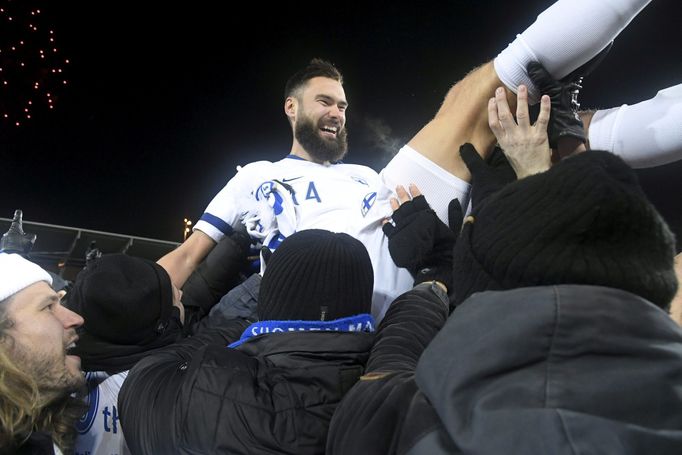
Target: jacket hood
557, 369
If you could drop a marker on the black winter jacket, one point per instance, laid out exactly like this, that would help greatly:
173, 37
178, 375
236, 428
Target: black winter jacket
386, 402
37, 444
555, 369
273, 394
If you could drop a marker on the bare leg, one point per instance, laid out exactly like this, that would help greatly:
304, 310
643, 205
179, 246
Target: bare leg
463, 117
431, 160
566, 35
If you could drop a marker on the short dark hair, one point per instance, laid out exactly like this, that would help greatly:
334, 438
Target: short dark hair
316, 68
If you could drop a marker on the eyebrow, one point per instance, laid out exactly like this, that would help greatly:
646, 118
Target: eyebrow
54, 298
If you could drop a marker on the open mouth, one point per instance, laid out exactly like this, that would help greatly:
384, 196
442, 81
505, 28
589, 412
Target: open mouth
69, 347
329, 131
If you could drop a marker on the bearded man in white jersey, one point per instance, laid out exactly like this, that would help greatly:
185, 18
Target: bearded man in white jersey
311, 188
308, 190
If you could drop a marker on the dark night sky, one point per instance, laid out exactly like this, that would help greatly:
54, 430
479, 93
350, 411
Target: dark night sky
164, 101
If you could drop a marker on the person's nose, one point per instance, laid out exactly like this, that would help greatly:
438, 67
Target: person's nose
337, 113
70, 319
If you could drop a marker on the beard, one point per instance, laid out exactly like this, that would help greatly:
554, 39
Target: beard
50, 372
320, 149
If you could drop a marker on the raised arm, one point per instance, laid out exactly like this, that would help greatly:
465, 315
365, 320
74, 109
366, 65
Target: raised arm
181, 262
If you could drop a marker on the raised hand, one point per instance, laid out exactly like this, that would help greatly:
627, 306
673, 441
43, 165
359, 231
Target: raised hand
418, 240
526, 146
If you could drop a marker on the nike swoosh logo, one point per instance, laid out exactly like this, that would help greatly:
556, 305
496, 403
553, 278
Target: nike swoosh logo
289, 180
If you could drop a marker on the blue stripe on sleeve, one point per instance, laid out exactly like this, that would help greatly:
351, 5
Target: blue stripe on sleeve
217, 223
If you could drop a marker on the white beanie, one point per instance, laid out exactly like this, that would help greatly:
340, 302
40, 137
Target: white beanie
17, 273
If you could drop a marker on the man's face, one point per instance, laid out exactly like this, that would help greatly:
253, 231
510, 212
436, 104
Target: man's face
320, 120
38, 341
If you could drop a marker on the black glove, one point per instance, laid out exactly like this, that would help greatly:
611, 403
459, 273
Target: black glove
564, 120
421, 242
487, 176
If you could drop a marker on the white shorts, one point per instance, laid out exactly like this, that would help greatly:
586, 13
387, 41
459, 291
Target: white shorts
436, 184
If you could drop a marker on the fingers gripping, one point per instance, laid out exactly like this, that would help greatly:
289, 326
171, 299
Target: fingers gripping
503, 112
543, 116
522, 117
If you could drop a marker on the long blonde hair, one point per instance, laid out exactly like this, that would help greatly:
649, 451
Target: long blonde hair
22, 408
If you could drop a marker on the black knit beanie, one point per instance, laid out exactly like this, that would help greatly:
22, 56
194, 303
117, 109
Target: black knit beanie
316, 275
584, 221
124, 300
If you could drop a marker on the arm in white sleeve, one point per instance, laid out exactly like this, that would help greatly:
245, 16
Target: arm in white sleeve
226, 208
646, 134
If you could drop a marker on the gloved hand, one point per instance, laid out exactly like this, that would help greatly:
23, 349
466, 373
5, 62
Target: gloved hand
564, 120
420, 242
487, 176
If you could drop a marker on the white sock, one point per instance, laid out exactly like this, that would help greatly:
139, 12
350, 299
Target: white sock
646, 134
564, 37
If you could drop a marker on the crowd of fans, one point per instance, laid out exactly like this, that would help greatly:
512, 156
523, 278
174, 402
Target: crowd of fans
541, 312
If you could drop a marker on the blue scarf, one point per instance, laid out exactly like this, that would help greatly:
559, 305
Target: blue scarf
358, 323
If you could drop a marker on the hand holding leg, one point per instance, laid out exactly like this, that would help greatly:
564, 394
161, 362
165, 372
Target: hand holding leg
526, 146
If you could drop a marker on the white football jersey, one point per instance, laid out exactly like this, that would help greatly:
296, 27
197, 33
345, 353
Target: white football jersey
277, 199
99, 430
337, 197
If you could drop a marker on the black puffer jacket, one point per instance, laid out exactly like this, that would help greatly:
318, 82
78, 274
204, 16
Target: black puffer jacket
385, 404
276, 393
556, 369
